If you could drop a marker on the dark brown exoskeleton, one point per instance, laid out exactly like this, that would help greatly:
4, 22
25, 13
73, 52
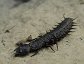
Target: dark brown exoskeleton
46, 40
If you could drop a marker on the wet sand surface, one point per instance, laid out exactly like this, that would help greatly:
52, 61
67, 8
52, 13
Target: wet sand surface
36, 17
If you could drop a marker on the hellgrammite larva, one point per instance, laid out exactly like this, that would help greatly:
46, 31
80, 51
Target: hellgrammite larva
46, 40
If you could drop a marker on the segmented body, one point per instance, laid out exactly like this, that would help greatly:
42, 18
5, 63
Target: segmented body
47, 40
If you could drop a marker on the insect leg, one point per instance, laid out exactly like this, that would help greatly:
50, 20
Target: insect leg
57, 46
34, 54
52, 49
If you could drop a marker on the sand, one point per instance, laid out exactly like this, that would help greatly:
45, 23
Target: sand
34, 18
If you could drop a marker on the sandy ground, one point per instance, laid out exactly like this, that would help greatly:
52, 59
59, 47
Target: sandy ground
34, 18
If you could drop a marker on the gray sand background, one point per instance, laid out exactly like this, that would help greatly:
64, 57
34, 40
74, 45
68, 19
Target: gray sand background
34, 18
